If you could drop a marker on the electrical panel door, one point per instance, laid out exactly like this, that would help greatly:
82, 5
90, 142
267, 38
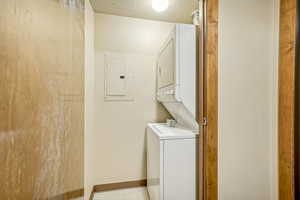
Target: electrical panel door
115, 75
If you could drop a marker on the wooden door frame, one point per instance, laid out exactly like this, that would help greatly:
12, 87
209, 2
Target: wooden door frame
208, 90
286, 104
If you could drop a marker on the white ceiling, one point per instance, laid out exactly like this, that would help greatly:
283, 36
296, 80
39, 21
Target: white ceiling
179, 11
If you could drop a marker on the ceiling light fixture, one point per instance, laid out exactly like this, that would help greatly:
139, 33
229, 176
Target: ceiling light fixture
74, 4
160, 5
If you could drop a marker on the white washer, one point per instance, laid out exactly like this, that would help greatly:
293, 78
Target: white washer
171, 163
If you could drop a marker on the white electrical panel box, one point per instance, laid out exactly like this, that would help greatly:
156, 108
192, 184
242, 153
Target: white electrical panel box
116, 78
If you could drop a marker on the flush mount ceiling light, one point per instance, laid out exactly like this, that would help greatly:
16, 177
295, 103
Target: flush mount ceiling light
160, 5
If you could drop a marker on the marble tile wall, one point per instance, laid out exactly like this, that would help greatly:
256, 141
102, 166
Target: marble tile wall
41, 101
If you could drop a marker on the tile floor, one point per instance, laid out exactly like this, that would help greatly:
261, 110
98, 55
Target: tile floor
139, 193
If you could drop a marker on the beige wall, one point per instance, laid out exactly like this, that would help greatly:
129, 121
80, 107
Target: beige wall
119, 137
89, 127
247, 92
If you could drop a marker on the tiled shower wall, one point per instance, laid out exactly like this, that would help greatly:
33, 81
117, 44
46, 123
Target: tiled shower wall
41, 99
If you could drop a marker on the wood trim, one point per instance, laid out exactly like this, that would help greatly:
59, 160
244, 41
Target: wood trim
201, 104
74, 194
211, 100
286, 107
118, 186
69, 195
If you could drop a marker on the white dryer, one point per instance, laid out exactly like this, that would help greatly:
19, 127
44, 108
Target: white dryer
176, 75
171, 151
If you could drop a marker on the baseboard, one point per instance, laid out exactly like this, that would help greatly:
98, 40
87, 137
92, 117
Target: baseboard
118, 186
69, 195
74, 194
100, 188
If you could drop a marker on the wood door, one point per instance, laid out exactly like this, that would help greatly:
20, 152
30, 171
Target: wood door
208, 100
286, 107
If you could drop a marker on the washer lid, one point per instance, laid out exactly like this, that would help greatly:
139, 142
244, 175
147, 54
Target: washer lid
165, 132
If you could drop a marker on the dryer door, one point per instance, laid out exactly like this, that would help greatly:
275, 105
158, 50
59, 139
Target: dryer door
166, 63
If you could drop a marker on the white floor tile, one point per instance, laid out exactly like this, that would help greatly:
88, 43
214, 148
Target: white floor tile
125, 194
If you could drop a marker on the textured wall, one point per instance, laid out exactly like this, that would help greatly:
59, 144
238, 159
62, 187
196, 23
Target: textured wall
89, 116
247, 99
118, 145
41, 101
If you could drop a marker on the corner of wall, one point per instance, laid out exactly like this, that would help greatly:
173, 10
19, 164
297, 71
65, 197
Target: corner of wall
274, 130
89, 95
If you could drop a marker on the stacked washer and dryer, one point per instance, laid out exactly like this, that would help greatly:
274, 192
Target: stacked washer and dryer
171, 150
